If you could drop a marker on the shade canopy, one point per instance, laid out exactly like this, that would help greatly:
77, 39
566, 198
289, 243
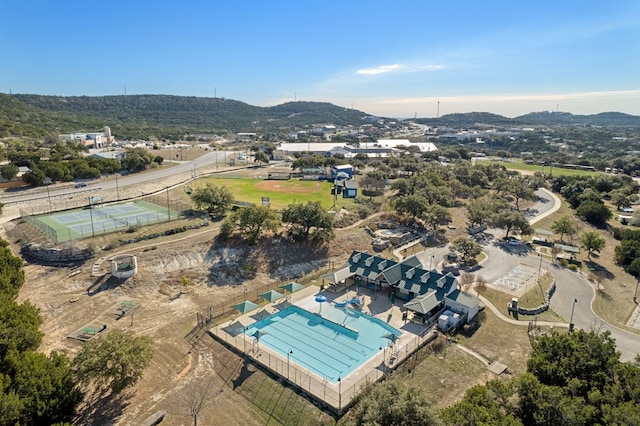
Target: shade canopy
245, 307
292, 287
390, 336
271, 296
320, 298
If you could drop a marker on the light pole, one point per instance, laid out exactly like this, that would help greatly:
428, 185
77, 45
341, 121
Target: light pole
571, 319
168, 205
635, 295
339, 394
431, 261
93, 232
288, 365
216, 159
540, 268
244, 340
117, 189
49, 196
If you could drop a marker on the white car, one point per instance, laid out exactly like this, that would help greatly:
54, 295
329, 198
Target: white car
513, 242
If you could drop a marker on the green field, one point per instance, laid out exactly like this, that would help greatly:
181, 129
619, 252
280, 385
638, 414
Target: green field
281, 193
522, 166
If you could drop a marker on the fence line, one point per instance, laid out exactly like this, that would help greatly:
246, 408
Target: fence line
336, 396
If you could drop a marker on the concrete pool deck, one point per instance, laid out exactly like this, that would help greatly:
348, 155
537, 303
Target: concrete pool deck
335, 395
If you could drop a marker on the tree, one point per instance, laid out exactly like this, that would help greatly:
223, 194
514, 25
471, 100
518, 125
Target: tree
9, 171
436, 215
45, 386
303, 218
19, 327
411, 205
261, 158
520, 188
391, 403
136, 159
468, 248
116, 360
481, 285
627, 256
479, 212
483, 405
594, 212
158, 159
372, 184
34, 177
564, 226
196, 398
213, 199
11, 273
512, 221
592, 242
252, 221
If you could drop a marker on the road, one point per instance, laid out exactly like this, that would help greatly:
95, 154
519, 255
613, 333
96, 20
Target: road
159, 176
570, 286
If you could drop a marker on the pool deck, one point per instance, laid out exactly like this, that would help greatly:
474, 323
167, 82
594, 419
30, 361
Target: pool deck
336, 395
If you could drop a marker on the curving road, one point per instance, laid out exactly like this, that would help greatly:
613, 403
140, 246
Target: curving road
570, 286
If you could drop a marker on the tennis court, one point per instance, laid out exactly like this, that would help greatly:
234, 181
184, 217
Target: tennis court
97, 220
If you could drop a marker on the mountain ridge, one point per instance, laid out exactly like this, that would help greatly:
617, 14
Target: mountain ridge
140, 116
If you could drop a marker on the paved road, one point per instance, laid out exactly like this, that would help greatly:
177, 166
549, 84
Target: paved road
160, 175
570, 286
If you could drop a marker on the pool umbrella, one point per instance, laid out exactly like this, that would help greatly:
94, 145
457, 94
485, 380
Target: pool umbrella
292, 287
245, 307
321, 299
271, 296
258, 334
392, 337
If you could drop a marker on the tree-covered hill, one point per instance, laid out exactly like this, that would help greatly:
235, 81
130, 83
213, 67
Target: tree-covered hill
160, 115
544, 118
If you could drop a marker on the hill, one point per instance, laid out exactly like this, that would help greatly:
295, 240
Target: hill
545, 118
139, 116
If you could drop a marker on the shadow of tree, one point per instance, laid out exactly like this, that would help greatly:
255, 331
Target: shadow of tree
244, 374
102, 407
596, 268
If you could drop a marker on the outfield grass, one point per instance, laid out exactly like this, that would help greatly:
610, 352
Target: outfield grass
283, 192
522, 166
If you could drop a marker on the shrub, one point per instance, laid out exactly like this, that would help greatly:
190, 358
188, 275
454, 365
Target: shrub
573, 267
564, 262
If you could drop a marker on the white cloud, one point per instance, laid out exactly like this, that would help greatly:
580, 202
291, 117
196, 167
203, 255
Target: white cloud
382, 69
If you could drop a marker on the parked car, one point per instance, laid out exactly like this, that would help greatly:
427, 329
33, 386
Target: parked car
81, 184
513, 242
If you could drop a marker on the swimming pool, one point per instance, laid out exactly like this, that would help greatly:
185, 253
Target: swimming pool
331, 345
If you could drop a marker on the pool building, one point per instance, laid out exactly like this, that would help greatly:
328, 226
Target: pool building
329, 341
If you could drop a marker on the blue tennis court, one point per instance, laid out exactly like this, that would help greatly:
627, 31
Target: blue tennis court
331, 345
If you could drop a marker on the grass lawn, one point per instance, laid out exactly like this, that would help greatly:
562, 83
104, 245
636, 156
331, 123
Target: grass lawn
520, 165
449, 370
531, 299
281, 193
497, 340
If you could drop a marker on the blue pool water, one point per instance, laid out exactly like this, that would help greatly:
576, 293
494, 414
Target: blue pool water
332, 345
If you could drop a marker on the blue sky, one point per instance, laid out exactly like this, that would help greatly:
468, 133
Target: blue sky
387, 58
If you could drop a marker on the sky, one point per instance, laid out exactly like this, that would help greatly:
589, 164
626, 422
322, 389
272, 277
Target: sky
393, 59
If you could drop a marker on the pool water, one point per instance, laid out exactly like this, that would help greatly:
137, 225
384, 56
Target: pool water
331, 344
